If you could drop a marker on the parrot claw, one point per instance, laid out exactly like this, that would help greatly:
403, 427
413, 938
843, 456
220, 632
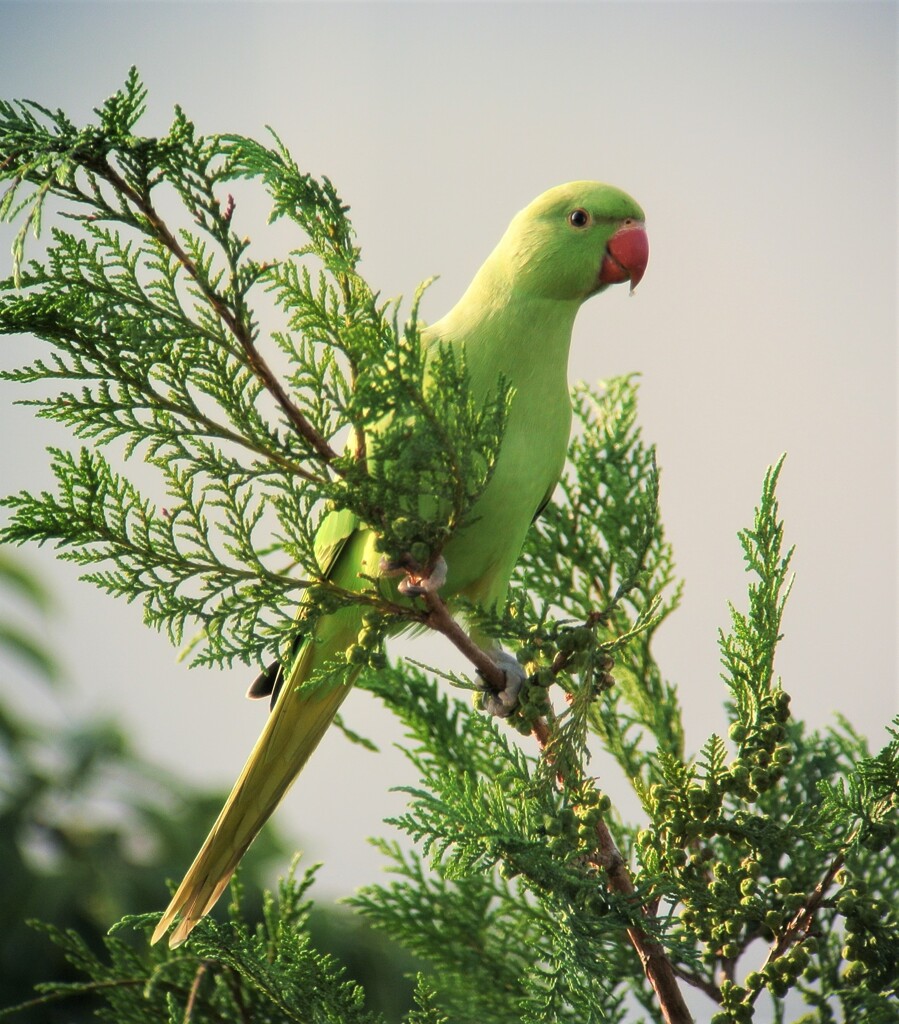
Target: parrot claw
416, 582
503, 702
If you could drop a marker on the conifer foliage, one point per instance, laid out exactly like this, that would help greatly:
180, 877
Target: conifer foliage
761, 878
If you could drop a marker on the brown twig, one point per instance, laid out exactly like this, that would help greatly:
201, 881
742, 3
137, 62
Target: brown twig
656, 965
237, 328
438, 618
194, 989
802, 919
709, 988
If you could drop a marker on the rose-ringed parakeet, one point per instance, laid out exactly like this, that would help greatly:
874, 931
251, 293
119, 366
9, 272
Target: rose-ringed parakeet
514, 322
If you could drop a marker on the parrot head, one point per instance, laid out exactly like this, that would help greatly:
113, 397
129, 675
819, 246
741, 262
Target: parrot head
575, 240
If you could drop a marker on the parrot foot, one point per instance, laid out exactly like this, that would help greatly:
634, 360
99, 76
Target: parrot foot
503, 702
416, 581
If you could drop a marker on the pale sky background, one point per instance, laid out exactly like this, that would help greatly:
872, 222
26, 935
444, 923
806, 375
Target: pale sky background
760, 139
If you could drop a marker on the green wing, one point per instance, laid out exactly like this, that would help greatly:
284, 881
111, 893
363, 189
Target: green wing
336, 528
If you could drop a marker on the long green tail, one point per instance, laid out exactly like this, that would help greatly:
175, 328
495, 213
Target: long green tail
293, 730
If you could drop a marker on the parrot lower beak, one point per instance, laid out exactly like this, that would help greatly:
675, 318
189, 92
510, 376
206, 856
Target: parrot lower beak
627, 254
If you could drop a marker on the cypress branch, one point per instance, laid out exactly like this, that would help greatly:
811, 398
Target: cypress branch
526, 894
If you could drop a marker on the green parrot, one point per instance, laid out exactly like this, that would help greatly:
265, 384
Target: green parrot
514, 321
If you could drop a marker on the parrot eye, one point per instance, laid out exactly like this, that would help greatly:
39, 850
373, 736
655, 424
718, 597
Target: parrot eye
579, 218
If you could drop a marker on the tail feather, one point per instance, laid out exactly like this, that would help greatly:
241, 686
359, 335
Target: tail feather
291, 734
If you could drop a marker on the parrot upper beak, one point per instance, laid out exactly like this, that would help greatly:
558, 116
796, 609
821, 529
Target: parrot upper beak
627, 254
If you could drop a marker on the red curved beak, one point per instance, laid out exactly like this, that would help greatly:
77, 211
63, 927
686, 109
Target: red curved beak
626, 255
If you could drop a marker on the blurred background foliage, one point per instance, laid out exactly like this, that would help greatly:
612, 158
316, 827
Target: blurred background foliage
90, 831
